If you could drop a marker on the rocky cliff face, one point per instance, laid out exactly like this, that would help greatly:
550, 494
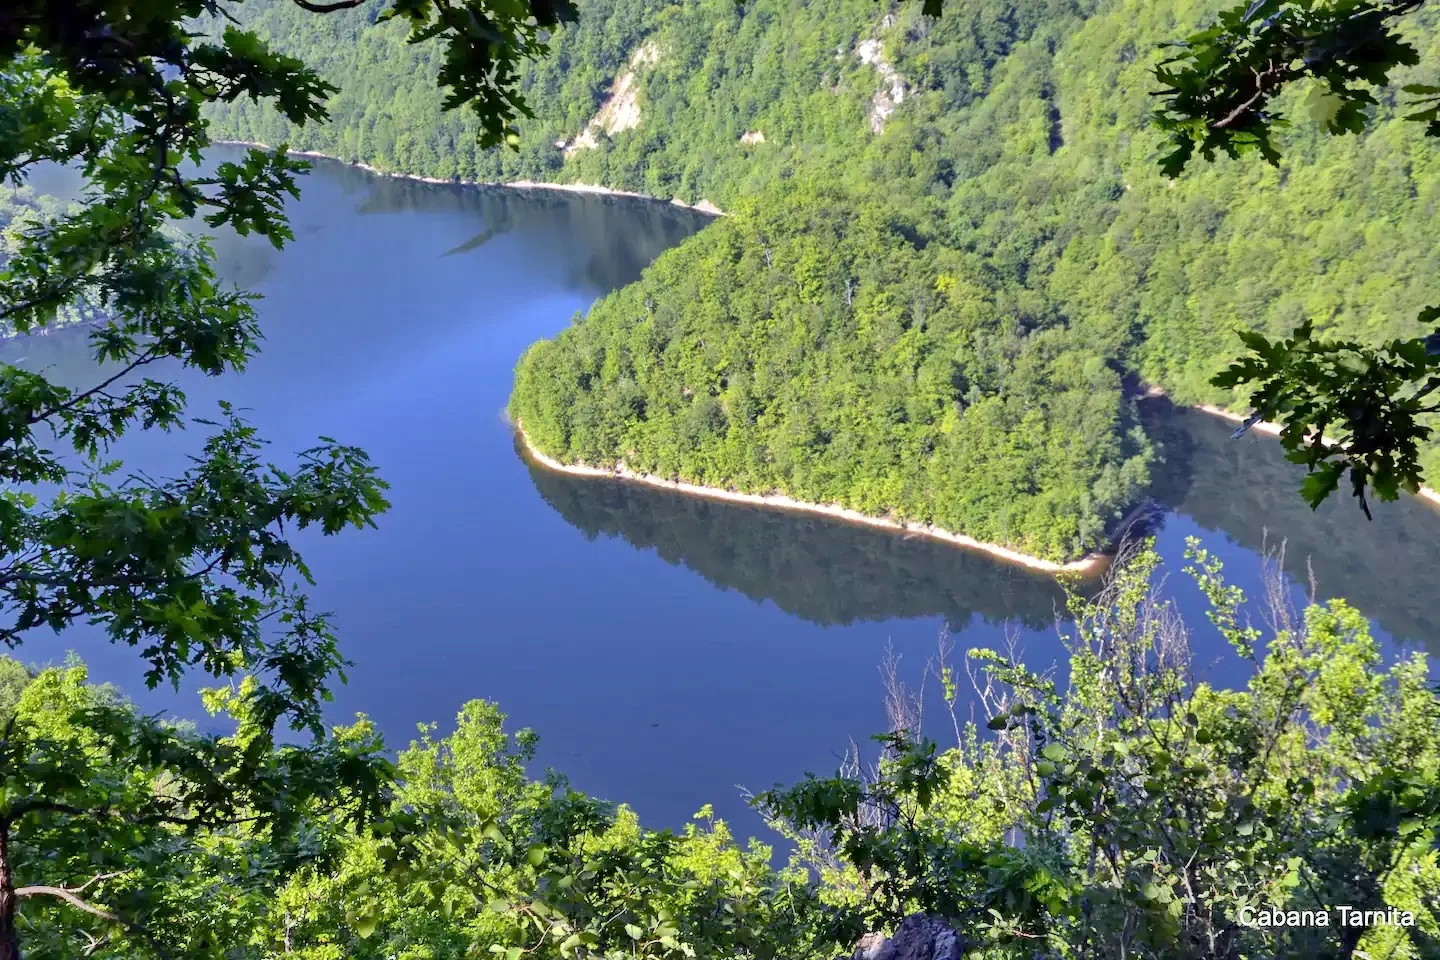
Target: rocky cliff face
919, 937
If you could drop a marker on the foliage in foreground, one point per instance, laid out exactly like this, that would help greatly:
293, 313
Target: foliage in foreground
127, 837
1135, 811
1346, 404
124, 836
196, 571
1149, 812
22, 210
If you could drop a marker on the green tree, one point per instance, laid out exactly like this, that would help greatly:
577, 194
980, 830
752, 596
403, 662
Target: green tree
479, 859
1158, 812
194, 571
125, 836
1345, 405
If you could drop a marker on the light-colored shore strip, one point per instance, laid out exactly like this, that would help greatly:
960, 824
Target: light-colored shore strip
1269, 429
704, 206
1088, 565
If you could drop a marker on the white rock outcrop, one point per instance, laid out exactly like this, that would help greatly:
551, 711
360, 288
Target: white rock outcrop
892, 86
621, 109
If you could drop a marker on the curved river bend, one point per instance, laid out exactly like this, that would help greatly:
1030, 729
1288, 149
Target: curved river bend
666, 648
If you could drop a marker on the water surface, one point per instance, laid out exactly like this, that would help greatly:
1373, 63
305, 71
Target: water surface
666, 648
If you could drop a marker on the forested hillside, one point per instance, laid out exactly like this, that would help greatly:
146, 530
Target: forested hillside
807, 347
954, 231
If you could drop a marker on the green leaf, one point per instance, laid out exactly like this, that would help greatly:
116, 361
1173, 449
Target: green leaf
1322, 105
1053, 752
1386, 484
365, 925
1256, 341
1320, 483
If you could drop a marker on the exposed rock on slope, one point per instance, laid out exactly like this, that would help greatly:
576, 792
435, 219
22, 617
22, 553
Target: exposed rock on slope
621, 110
919, 937
892, 85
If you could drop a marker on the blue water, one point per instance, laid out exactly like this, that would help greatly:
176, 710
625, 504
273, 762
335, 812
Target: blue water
665, 648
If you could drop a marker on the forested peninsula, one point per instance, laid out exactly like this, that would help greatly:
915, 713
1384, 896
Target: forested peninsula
950, 244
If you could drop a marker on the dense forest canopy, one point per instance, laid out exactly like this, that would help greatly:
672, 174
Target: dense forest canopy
951, 232
1002, 157
802, 347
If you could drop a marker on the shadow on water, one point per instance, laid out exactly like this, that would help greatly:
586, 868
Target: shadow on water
591, 246
830, 572
1247, 490
826, 571
557, 239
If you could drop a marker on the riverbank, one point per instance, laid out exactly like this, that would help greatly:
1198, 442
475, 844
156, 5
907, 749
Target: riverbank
1269, 429
704, 206
1088, 566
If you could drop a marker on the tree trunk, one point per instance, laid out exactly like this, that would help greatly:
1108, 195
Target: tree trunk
9, 939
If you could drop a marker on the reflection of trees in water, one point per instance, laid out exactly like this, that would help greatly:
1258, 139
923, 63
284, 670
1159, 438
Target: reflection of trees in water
826, 571
831, 572
1246, 488
603, 240
599, 241
66, 354
243, 261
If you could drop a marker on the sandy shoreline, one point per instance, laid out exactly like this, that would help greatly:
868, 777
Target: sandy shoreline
1090, 564
704, 206
1271, 430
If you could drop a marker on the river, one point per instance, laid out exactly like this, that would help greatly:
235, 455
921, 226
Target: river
666, 648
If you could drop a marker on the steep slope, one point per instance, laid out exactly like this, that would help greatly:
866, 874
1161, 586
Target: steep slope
812, 77
807, 345
1013, 162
